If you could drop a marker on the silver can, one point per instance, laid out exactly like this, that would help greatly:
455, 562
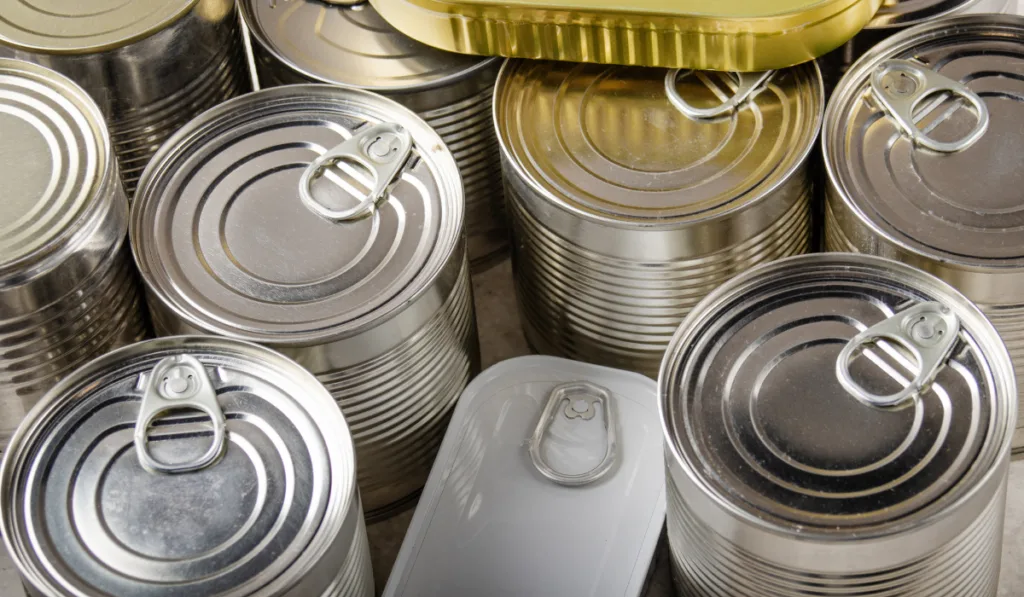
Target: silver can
349, 44
186, 466
916, 143
151, 65
837, 424
326, 223
634, 192
68, 291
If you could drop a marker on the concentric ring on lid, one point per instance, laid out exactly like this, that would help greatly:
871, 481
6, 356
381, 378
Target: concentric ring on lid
906, 13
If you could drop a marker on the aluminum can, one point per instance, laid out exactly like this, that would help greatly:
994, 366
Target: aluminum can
937, 194
68, 291
186, 466
151, 65
837, 424
326, 223
349, 44
634, 192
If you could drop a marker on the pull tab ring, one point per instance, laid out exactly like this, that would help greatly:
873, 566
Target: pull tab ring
748, 85
178, 382
572, 393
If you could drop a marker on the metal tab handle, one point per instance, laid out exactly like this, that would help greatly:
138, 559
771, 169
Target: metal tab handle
178, 382
382, 149
928, 330
901, 86
573, 393
748, 85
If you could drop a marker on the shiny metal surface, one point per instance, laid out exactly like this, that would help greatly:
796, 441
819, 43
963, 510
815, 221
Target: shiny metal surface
151, 65
782, 483
626, 212
954, 214
378, 307
68, 292
309, 41
277, 514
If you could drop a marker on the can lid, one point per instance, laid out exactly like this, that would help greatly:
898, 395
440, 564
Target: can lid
62, 27
918, 137
638, 146
54, 158
836, 393
906, 13
297, 215
351, 45
86, 514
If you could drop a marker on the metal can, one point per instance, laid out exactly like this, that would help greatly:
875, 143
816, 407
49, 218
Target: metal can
837, 424
913, 143
186, 466
349, 44
634, 192
68, 291
326, 223
151, 65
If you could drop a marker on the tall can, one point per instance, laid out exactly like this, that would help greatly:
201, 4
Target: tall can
837, 424
634, 192
326, 223
186, 466
68, 290
151, 65
349, 44
916, 144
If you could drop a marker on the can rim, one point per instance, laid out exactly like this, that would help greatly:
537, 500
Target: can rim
877, 24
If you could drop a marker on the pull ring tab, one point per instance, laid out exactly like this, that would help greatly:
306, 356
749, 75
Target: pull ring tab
178, 382
748, 85
575, 395
902, 85
382, 149
928, 330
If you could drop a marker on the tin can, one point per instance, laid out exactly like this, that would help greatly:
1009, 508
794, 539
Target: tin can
326, 223
186, 466
936, 194
349, 44
68, 291
151, 65
634, 192
837, 424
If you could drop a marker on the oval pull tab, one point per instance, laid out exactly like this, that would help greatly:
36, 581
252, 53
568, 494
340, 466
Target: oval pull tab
902, 85
747, 86
178, 382
575, 401
928, 330
382, 149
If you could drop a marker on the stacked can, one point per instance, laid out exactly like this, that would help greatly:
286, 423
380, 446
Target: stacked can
68, 291
634, 193
151, 65
326, 223
309, 41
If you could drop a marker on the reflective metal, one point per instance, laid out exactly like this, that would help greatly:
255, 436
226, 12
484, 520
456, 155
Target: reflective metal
782, 483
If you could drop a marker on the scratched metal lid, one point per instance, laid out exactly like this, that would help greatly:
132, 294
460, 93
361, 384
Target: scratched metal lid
297, 215
905, 13
649, 147
836, 393
181, 466
919, 133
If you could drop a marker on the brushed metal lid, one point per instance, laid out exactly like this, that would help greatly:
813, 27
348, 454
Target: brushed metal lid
922, 136
781, 395
905, 13
609, 143
91, 509
297, 215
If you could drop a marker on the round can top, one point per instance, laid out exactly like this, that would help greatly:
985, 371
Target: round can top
906, 13
66, 27
609, 142
297, 215
91, 509
54, 158
781, 396
922, 137
351, 45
